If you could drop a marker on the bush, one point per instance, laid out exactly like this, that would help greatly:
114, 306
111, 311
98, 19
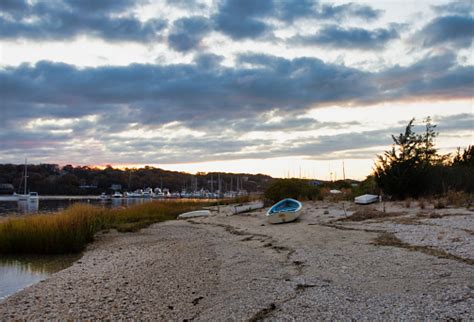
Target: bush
413, 168
291, 188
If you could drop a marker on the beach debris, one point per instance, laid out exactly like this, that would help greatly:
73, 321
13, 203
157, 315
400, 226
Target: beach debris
240, 208
193, 214
366, 199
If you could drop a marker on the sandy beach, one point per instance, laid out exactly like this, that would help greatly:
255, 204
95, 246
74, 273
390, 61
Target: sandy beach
413, 264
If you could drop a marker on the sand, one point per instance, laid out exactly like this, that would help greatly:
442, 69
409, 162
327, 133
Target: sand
241, 268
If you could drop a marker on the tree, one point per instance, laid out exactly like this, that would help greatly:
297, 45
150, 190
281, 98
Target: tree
404, 170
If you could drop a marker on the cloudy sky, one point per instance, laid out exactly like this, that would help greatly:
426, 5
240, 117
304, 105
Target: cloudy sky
282, 87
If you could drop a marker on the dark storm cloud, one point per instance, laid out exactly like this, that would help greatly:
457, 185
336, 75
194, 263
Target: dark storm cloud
290, 10
456, 122
240, 19
194, 93
287, 123
348, 10
114, 20
187, 33
348, 38
455, 30
13, 6
206, 96
455, 7
70, 18
432, 76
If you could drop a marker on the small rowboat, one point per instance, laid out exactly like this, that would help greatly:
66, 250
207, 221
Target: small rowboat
192, 214
366, 199
283, 211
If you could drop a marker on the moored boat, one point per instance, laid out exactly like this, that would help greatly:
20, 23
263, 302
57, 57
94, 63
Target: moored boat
117, 195
285, 210
30, 196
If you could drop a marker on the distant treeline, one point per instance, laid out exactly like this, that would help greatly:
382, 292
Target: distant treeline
52, 179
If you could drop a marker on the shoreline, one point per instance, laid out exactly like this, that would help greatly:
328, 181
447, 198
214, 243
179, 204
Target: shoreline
240, 267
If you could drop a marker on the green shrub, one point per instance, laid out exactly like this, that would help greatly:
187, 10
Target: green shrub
291, 188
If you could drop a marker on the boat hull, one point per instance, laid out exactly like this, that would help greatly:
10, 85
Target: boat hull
286, 210
366, 199
282, 217
193, 214
247, 207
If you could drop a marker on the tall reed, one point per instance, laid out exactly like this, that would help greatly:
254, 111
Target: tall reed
69, 231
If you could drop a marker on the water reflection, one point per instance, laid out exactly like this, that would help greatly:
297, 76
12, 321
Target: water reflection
28, 206
19, 272
52, 205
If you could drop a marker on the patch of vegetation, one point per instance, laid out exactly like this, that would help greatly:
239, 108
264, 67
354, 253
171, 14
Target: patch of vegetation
71, 230
291, 188
413, 167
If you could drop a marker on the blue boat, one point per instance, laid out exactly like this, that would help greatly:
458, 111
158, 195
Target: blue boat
285, 210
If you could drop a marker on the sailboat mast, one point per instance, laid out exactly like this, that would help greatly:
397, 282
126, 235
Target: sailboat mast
26, 176
343, 171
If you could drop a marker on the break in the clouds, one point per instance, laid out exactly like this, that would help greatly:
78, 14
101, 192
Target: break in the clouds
226, 79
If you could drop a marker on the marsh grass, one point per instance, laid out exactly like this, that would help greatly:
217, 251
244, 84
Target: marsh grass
69, 231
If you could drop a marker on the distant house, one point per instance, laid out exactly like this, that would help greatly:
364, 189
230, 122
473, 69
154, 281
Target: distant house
6, 189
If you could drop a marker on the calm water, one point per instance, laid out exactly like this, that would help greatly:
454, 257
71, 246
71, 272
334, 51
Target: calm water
44, 206
16, 273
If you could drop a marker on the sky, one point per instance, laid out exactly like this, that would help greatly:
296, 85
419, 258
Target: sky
289, 88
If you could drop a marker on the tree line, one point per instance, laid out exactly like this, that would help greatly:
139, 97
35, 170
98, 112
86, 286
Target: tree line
52, 179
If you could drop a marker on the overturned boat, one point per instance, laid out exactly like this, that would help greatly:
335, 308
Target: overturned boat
240, 208
283, 211
197, 213
366, 199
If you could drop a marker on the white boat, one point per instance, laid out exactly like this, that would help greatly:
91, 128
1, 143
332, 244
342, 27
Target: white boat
117, 195
335, 191
366, 199
285, 210
197, 213
103, 196
237, 209
30, 196
148, 193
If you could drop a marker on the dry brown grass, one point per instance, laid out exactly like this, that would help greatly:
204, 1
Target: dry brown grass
69, 231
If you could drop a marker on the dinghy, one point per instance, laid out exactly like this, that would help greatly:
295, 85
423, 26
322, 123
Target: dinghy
192, 214
366, 199
237, 209
285, 210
